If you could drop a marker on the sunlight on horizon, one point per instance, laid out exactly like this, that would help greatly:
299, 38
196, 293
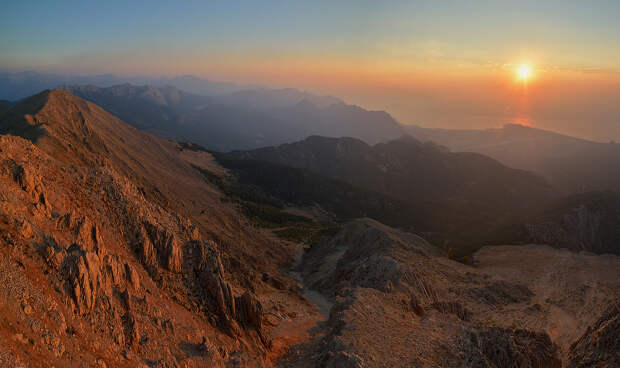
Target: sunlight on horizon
524, 72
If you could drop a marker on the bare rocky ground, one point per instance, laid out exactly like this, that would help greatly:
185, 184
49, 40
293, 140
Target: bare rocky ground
116, 252
399, 302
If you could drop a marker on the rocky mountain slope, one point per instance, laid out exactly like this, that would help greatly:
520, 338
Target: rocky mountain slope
570, 164
117, 252
398, 301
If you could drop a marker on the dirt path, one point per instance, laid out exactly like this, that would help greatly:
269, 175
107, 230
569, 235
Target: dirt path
301, 353
313, 296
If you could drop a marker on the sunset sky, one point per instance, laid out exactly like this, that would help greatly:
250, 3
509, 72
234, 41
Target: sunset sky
435, 63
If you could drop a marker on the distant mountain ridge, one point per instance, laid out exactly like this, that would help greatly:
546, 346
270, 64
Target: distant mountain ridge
18, 85
408, 169
241, 120
571, 164
455, 200
262, 98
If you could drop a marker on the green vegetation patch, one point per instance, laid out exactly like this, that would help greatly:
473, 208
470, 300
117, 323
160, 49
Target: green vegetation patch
264, 210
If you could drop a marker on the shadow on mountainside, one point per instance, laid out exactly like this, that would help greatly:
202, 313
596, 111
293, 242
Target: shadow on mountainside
19, 120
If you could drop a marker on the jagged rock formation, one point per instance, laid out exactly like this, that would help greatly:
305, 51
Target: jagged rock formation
233, 312
600, 344
497, 347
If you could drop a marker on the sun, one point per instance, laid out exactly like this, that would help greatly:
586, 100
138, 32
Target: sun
524, 72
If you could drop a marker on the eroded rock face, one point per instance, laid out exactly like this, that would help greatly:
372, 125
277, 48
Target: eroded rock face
249, 311
581, 222
245, 310
210, 275
454, 308
498, 347
158, 247
84, 277
90, 276
600, 344
501, 293
173, 256
146, 251
22, 177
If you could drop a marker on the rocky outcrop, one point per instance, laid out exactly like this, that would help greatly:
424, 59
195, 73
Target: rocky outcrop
22, 177
600, 345
91, 276
249, 311
453, 308
173, 256
245, 310
84, 277
500, 293
146, 251
210, 275
158, 247
365, 254
582, 222
85, 233
497, 347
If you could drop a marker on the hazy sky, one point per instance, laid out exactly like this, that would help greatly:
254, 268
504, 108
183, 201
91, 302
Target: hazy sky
435, 63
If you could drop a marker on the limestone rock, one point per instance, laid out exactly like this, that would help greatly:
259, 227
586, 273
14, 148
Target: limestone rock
174, 255
211, 279
85, 279
157, 246
249, 311
498, 347
453, 308
132, 276
244, 310
146, 251
23, 177
599, 346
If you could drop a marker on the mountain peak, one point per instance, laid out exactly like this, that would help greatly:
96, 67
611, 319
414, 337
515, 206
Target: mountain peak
63, 125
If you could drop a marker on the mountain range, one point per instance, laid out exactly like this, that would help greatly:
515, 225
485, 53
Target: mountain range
18, 85
124, 249
240, 120
570, 164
